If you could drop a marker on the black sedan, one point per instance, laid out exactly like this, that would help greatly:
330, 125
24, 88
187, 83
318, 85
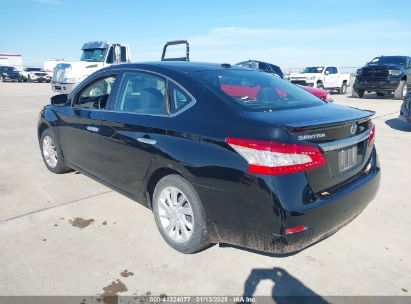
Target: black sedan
219, 153
8, 73
405, 112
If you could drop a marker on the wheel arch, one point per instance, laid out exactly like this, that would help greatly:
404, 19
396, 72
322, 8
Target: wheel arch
42, 126
152, 180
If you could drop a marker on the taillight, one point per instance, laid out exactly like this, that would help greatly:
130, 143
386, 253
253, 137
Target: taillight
371, 138
272, 158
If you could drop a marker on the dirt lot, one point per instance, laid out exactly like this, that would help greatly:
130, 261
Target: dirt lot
68, 235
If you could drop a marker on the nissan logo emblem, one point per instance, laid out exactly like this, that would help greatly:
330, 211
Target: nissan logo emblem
353, 128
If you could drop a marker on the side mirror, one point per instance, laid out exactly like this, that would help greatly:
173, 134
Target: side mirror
327, 72
59, 100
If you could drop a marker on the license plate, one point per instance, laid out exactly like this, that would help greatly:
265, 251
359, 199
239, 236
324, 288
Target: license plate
347, 158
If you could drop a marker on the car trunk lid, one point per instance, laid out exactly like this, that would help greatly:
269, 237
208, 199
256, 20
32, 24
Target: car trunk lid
341, 133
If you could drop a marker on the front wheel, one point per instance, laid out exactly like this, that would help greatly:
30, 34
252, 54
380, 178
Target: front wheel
343, 88
50, 151
401, 90
358, 93
179, 214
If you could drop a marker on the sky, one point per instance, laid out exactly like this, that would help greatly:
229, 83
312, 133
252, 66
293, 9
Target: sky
291, 34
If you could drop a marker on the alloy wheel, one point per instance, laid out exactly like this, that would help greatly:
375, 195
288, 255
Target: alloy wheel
50, 151
176, 215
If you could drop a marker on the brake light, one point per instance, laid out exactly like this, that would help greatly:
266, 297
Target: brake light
272, 158
371, 138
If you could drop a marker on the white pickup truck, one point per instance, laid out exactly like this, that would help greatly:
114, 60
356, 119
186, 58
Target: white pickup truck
96, 55
323, 77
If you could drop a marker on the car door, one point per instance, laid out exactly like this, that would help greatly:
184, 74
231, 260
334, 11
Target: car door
79, 131
408, 72
133, 129
329, 77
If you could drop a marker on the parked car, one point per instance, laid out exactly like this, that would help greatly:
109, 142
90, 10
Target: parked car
405, 112
384, 75
95, 55
270, 172
35, 74
276, 70
262, 66
320, 93
322, 77
9, 73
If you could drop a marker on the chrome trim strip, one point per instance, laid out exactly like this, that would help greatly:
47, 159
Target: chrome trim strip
92, 129
147, 141
338, 144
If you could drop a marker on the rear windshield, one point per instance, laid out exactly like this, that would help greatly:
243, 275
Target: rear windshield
255, 90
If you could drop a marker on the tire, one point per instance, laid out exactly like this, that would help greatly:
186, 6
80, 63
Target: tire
53, 160
357, 94
401, 90
187, 230
343, 89
380, 94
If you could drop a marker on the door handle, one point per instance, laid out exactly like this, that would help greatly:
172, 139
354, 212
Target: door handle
147, 141
92, 128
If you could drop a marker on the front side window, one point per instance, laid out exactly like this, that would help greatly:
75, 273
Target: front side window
331, 70
318, 69
255, 90
95, 95
141, 93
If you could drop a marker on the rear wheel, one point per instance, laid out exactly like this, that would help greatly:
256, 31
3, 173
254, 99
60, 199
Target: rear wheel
51, 153
401, 90
179, 214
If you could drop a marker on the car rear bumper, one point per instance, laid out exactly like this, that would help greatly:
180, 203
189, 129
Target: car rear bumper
321, 218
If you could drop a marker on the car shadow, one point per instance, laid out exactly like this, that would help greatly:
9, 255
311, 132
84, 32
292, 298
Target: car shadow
398, 124
286, 288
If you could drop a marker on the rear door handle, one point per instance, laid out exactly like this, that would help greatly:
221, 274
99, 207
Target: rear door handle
147, 141
92, 128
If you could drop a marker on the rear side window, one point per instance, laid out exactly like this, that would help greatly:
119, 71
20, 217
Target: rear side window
256, 90
141, 93
178, 98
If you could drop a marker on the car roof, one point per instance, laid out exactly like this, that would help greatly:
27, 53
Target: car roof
180, 66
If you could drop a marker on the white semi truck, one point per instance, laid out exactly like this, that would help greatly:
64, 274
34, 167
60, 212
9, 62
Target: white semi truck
96, 55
